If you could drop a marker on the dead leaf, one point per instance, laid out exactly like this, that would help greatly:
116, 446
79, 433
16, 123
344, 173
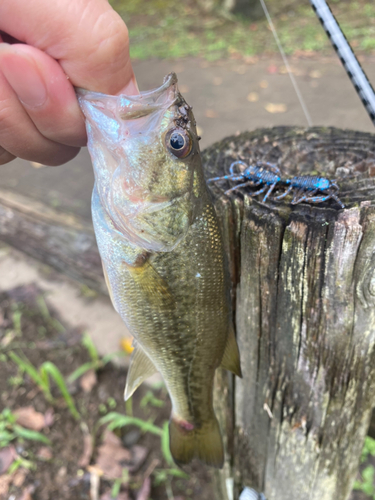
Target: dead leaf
94, 469
29, 418
8, 338
253, 97
26, 494
112, 456
217, 80
179, 68
87, 451
7, 455
184, 89
144, 492
49, 417
315, 73
19, 477
88, 381
241, 70
5, 482
211, 113
272, 69
275, 108
139, 455
44, 453
251, 59
263, 84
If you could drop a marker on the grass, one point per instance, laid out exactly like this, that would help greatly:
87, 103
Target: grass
366, 483
10, 430
41, 378
96, 363
168, 29
116, 420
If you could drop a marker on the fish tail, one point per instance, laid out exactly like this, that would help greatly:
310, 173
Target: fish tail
188, 442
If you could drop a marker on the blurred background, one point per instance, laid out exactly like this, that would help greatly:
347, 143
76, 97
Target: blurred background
231, 72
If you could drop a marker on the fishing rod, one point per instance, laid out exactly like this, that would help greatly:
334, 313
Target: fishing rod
346, 54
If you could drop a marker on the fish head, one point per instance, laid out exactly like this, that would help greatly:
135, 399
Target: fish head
145, 152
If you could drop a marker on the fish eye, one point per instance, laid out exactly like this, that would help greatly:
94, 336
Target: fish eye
179, 142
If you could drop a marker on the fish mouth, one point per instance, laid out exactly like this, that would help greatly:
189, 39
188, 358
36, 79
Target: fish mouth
136, 106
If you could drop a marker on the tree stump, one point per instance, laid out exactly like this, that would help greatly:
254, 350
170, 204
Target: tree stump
303, 293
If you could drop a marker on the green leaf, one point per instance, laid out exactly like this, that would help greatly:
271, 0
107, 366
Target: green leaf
368, 473
55, 373
81, 370
165, 445
369, 445
90, 346
177, 473
29, 434
26, 366
116, 420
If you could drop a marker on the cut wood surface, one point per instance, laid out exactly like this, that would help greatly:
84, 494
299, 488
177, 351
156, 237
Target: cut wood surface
304, 293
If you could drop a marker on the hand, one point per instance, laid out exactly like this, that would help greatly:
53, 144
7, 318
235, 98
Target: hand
66, 43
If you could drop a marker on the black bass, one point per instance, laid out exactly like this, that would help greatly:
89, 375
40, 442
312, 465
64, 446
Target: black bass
162, 255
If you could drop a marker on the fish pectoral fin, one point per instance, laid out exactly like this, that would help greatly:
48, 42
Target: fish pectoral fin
141, 367
109, 286
152, 284
231, 356
204, 443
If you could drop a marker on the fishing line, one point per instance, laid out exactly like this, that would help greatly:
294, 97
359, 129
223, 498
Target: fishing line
283, 55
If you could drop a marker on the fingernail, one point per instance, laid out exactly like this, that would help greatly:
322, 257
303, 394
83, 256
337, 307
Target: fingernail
24, 78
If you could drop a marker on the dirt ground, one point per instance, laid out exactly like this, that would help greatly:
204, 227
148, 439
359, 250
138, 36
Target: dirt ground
81, 461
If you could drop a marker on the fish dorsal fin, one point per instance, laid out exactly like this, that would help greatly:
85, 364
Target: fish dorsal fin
141, 367
231, 357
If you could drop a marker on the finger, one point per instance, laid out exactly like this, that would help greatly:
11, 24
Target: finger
5, 156
44, 91
87, 37
20, 137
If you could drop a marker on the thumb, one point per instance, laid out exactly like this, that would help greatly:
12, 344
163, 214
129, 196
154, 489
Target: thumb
87, 37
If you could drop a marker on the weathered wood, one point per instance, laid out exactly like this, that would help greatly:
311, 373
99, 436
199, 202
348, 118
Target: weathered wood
304, 287
58, 239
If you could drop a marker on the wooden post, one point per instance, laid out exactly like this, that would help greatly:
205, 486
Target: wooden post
304, 293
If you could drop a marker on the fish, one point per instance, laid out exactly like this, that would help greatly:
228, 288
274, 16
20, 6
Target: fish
162, 254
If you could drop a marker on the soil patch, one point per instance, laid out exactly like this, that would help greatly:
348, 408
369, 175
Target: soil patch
75, 464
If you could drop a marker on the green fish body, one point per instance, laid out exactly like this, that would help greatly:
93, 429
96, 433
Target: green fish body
162, 255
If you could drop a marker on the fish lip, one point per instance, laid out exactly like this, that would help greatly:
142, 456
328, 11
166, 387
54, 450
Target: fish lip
125, 107
169, 80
